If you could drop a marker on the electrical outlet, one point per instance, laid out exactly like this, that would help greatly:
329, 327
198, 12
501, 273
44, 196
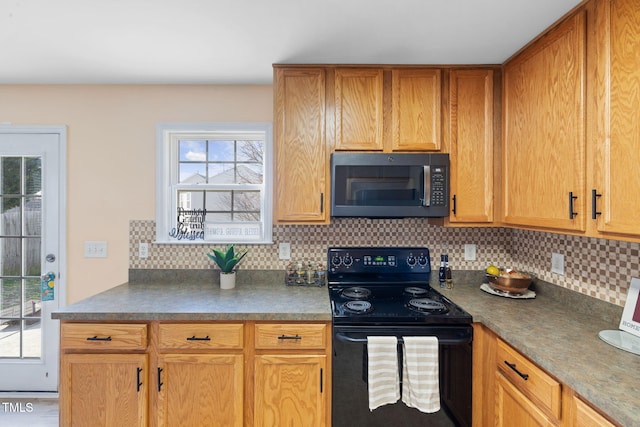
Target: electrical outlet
469, 252
143, 250
284, 250
557, 263
95, 249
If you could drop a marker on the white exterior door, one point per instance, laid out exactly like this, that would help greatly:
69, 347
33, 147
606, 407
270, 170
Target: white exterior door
32, 232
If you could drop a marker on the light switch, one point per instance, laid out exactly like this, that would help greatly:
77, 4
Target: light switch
469, 252
95, 249
284, 250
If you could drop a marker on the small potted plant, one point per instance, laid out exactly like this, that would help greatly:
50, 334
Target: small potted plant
227, 260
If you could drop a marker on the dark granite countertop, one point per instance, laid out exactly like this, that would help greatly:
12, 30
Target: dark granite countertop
558, 329
172, 298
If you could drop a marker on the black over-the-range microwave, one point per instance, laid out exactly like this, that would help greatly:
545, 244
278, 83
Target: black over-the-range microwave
394, 185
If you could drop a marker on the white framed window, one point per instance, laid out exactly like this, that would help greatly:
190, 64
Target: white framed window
214, 183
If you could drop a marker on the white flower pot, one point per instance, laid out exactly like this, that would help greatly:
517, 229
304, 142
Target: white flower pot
227, 280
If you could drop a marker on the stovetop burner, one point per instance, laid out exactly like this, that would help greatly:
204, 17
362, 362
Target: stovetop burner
358, 307
415, 291
387, 287
427, 305
357, 293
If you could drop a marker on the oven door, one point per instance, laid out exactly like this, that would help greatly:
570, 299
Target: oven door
350, 398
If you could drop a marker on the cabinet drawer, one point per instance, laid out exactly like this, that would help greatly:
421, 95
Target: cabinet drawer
531, 380
298, 336
103, 336
200, 336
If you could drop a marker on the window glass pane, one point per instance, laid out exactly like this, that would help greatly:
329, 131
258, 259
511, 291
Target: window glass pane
189, 200
250, 173
32, 253
218, 216
11, 175
246, 201
222, 173
33, 177
11, 256
192, 151
221, 151
250, 151
192, 173
218, 201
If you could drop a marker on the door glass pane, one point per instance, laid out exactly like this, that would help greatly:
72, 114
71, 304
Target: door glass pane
11, 175
10, 256
20, 257
33, 175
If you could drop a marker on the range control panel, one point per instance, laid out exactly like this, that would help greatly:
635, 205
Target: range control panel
393, 260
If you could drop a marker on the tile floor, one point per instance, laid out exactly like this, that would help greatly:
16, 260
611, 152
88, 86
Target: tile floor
28, 412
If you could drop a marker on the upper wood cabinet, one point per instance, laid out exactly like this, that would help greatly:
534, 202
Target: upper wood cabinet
616, 102
471, 120
301, 163
416, 109
544, 144
388, 109
358, 109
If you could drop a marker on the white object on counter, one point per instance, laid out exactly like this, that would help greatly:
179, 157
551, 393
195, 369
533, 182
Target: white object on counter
528, 294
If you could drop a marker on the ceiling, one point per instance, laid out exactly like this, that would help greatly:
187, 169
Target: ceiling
237, 41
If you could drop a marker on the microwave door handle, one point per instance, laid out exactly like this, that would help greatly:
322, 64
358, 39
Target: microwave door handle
426, 196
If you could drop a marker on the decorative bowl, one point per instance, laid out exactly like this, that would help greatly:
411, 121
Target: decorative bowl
511, 281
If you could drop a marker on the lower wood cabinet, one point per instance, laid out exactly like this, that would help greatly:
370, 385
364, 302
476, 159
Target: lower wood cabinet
513, 408
195, 374
200, 390
583, 415
104, 390
289, 390
511, 390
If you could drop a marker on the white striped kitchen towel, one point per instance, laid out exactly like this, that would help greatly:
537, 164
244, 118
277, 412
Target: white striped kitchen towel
383, 377
420, 374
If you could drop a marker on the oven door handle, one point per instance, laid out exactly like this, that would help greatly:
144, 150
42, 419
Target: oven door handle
446, 341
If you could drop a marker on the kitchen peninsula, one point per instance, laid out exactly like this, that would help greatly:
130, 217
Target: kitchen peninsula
555, 330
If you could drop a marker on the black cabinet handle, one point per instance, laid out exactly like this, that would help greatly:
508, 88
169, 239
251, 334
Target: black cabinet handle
290, 337
594, 209
138, 378
454, 204
96, 338
194, 338
159, 379
513, 366
321, 382
571, 199
321, 202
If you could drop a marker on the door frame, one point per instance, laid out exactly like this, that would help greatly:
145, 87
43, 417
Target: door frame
60, 284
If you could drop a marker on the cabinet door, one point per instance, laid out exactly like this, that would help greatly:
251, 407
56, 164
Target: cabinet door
200, 390
618, 102
584, 415
514, 409
300, 146
289, 390
104, 390
359, 109
544, 142
471, 110
415, 110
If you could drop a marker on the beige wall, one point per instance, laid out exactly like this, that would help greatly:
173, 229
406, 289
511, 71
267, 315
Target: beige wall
111, 156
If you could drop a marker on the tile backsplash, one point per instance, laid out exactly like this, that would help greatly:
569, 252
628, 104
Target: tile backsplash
596, 267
